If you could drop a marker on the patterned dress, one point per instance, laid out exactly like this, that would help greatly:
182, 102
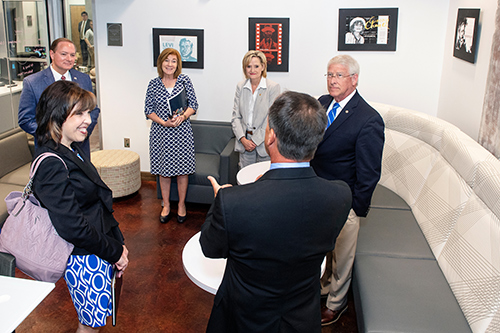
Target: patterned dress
171, 149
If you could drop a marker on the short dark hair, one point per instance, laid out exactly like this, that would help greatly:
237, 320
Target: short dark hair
58, 41
164, 55
84, 12
57, 102
299, 122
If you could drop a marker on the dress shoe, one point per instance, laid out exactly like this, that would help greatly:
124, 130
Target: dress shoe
181, 219
329, 316
164, 219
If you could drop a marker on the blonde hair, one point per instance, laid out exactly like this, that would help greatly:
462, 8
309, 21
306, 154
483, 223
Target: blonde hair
254, 54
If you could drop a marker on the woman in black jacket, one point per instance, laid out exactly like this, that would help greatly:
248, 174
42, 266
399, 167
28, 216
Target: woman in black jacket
78, 202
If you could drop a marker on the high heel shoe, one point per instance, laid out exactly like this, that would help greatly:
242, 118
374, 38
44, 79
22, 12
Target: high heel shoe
165, 219
181, 219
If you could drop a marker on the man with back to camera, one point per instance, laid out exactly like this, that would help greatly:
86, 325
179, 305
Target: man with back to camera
351, 150
62, 54
276, 231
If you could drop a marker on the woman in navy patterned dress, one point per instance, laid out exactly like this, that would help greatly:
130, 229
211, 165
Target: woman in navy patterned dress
171, 142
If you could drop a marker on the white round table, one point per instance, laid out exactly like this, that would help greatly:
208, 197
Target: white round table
250, 173
207, 273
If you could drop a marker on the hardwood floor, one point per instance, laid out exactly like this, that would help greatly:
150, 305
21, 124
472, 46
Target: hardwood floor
157, 295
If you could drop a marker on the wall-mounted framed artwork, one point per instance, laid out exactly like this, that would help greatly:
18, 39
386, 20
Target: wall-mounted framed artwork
272, 37
368, 29
466, 34
189, 43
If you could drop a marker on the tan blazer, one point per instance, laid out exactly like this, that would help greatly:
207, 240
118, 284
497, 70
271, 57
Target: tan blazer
263, 102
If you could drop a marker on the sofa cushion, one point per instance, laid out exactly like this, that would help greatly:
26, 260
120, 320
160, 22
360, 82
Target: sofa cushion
439, 204
19, 176
404, 295
385, 198
206, 165
406, 163
393, 233
471, 263
16, 147
211, 137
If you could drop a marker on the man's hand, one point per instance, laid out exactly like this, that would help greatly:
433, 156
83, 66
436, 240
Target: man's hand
216, 185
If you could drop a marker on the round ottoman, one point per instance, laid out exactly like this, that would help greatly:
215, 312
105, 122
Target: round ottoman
119, 169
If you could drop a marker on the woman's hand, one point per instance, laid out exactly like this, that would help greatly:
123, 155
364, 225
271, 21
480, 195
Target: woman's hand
123, 262
174, 122
248, 144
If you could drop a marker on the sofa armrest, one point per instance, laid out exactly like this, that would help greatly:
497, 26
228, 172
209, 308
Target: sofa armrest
7, 264
228, 164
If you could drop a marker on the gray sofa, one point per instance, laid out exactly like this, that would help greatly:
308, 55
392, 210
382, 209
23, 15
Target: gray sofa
14, 168
215, 156
428, 254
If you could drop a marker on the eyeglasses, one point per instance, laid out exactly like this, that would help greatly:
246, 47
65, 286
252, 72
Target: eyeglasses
339, 76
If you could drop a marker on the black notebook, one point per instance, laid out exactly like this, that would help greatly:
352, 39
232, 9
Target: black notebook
178, 103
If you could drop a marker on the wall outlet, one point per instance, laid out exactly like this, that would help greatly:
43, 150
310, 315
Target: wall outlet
126, 142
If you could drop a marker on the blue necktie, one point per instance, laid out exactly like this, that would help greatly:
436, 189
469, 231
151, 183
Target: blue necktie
332, 113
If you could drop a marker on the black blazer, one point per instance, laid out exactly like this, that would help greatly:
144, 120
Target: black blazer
78, 202
274, 234
351, 150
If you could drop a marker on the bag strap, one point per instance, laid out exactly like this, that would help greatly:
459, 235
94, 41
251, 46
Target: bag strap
34, 167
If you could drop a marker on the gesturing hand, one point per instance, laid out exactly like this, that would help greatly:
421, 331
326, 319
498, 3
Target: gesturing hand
216, 185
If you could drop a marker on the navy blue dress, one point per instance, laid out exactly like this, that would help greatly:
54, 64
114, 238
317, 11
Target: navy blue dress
171, 149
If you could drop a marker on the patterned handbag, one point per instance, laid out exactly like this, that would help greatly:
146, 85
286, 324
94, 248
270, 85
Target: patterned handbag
28, 234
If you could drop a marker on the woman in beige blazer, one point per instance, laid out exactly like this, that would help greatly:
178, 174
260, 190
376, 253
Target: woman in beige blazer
252, 100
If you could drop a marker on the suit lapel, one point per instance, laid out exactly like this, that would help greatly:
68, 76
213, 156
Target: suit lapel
346, 112
49, 77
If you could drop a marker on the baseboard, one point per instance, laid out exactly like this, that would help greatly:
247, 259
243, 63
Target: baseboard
146, 176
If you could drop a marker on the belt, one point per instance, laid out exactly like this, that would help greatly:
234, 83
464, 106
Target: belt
250, 132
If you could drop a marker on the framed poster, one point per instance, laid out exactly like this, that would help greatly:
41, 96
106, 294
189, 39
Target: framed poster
368, 29
189, 43
272, 37
466, 35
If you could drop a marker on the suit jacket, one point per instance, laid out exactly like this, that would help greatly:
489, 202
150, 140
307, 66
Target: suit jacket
78, 202
274, 233
33, 87
263, 102
87, 26
351, 150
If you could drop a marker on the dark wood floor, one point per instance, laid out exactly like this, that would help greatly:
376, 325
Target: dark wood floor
157, 295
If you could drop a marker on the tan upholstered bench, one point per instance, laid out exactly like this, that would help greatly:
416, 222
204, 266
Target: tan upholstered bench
119, 169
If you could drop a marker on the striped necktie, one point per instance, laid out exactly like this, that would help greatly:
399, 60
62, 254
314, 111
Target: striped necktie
332, 113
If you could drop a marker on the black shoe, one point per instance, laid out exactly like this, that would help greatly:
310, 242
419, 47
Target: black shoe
165, 219
181, 219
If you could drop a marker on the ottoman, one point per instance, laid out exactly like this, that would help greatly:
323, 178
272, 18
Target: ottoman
119, 169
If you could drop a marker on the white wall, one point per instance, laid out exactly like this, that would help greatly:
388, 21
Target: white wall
409, 77
463, 84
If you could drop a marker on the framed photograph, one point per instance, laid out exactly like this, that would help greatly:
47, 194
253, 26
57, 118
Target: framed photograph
272, 37
466, 35
368, 29
189, 43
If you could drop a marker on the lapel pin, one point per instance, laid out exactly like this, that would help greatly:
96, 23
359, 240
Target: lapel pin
346, 111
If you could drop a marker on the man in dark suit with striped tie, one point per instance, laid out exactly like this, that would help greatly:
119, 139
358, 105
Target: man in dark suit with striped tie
351, 150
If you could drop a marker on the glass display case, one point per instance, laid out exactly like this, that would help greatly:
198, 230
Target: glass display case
24, 50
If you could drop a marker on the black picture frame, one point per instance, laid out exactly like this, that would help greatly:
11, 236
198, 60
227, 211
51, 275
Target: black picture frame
466, 31
272, 37
164, 38
379, 28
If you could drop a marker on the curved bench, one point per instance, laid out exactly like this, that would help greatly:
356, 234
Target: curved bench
428, 255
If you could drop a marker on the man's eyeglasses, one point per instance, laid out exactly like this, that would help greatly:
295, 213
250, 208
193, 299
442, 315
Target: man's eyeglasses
339, 76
